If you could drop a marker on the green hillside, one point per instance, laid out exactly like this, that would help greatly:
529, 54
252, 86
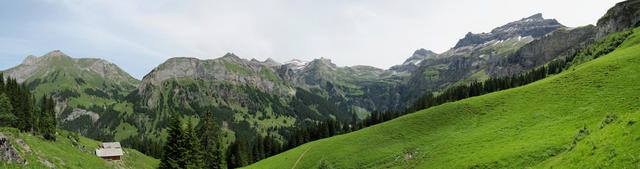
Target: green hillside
63, 153
582, 118
90, 93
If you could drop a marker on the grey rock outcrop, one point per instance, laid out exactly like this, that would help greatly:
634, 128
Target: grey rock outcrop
227, 69
624, 15
9, 153
412, 62
535, 26
540, 51
475, 56
419, 55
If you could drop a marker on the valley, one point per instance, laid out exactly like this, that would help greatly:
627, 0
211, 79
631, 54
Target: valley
531, 93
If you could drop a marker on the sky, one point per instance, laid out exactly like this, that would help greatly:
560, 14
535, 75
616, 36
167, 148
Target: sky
139, 35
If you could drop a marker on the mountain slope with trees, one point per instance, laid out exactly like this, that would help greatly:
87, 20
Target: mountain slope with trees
240, 111
554, 122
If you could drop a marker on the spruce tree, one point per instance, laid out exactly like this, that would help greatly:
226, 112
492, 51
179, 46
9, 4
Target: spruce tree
2, 85
194, 155
354, 122
7, 119
48, 130
237, 153
266, 142
211, 142
46, 120
27, 109
174, 154
258, 149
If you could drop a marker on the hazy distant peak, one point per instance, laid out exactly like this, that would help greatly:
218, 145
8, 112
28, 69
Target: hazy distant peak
271, 62
418, 56
534, 17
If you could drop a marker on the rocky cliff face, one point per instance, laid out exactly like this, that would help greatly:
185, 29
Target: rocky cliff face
534, 26
498, 53
623, 15
541, 51
227, 69
413, 61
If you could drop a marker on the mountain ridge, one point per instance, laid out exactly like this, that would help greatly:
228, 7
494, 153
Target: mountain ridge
253, 97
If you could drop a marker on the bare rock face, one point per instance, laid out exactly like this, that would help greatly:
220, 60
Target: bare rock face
540, 51
8, 152
622, 16
412, 62
228, 69
77, 112
534, 26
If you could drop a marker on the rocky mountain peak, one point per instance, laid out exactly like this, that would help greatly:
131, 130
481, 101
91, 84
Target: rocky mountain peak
322, 62
535, 26
34, 67
270, 62
419, 55
534, 17
524, 26
29, 60
55, 54
230, 56
411, 63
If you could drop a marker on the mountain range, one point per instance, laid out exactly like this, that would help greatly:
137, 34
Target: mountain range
97, 99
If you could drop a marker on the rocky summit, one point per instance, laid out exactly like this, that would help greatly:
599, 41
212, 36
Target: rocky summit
535, 26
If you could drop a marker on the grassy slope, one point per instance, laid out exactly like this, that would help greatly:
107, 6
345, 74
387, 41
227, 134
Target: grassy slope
533, 125
64, 155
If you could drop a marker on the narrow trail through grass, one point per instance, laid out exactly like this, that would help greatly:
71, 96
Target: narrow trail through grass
300, 158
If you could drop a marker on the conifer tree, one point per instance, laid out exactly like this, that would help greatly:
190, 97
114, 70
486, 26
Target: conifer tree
174, 152
258, 149
237, 155
2, 85
194, 155
48, 130
46, 124
211, 142
7, 119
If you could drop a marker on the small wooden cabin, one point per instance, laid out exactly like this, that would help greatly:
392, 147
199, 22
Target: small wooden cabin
110, 151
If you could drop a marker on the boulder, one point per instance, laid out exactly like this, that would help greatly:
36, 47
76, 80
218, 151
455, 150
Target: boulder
9, 153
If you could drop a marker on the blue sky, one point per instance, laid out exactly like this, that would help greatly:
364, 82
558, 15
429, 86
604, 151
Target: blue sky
139, 35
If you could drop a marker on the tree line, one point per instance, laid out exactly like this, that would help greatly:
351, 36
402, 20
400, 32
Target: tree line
18, 109
599, 48
145, 145
241, 152
193, 147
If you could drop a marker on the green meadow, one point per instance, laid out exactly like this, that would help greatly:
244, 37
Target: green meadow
584, 117
63, 153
